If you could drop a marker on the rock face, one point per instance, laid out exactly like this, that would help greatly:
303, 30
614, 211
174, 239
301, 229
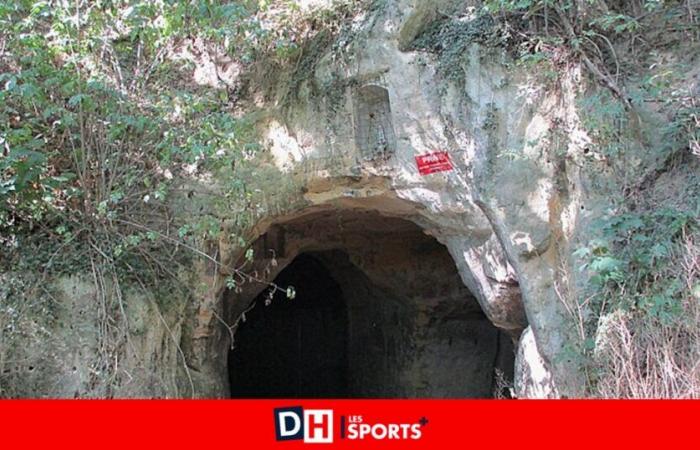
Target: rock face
507, 209
532, 376
465, 258
66, 340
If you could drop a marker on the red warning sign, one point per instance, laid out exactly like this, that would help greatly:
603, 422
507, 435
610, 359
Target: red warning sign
434, 162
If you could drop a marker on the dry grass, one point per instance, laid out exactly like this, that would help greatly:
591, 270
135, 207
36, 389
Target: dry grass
642, 357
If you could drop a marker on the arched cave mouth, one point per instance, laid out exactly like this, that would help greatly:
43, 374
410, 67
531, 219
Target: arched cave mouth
295, 347
380, 312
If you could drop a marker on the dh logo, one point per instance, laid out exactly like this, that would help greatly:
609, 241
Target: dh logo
314, 426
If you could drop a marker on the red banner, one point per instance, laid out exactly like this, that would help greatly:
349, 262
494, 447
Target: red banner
288, 424
433, 163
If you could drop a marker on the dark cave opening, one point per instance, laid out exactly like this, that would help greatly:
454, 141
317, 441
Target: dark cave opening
380, 312
294, 348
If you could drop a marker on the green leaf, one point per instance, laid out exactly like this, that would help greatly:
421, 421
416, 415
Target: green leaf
77, 99
605, 264
183, 231
659, 250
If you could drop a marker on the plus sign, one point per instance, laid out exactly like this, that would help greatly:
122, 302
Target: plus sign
423, 421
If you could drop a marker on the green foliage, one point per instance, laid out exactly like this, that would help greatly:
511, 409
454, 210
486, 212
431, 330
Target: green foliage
604, 35
640, 269
636, 265
94, 145
323, 29
629, 263
105, 139
618, 23
450, 39
607, 122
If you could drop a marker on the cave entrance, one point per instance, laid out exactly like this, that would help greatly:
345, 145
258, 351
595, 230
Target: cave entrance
380, 312
294, 348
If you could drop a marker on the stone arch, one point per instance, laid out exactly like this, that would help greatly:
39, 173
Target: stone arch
372, 237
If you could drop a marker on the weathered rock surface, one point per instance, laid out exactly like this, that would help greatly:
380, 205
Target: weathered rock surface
510, 206
533, 379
